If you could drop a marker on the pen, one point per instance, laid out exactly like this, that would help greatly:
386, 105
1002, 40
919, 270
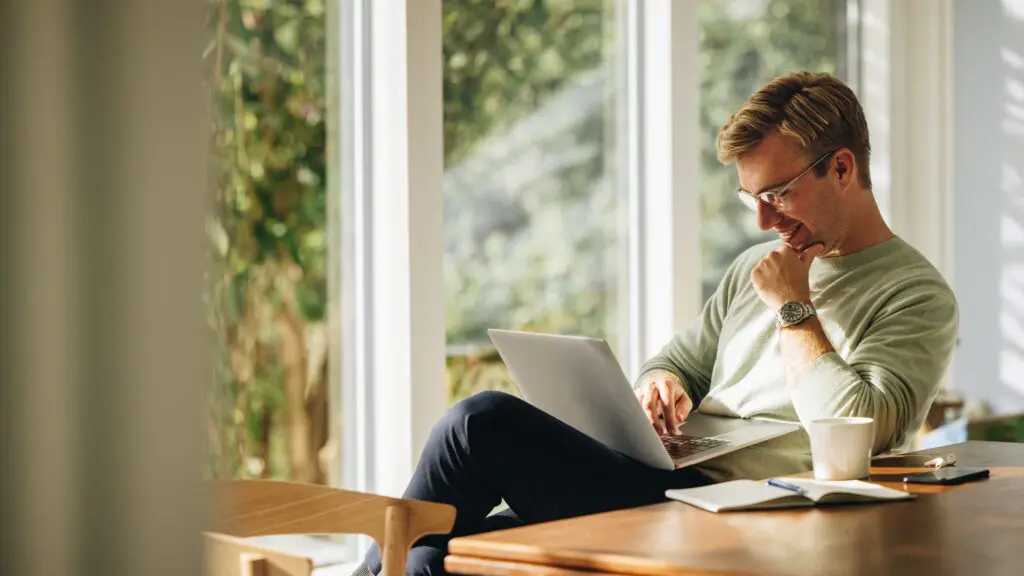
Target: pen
786, 486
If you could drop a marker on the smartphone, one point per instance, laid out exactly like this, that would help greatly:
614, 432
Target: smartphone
947, 476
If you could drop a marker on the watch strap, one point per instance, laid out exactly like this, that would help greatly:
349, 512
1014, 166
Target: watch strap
793, 313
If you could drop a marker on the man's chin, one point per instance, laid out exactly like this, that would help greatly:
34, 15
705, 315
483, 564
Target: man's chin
810, 245
795, 246
795, 240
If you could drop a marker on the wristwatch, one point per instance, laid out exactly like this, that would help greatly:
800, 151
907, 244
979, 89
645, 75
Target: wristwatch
794, 312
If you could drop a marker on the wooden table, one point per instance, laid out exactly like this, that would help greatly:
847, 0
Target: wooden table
974, 529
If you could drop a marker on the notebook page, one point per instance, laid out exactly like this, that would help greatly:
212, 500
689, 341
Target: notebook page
846, 490
737, 495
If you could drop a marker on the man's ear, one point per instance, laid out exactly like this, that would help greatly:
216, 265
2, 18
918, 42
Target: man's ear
846, 168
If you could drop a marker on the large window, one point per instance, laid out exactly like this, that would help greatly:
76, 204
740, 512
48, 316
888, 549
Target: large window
267, 290
532, 210
743, 45
536, 202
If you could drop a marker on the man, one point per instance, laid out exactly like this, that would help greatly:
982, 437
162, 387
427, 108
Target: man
838, 317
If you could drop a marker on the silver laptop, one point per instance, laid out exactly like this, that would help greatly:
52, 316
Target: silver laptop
579, 381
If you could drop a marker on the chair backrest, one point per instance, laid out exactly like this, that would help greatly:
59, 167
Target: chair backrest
263, 507
229, 556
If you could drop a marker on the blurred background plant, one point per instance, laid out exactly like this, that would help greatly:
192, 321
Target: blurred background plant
266, 293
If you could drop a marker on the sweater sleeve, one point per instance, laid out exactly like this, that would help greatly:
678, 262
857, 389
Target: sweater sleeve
691, 355
894, 372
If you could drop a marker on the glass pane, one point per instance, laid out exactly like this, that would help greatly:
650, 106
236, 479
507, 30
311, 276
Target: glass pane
743, 45
532, 212
266, 294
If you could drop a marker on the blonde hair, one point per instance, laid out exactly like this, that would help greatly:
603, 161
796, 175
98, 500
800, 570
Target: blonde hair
815, 109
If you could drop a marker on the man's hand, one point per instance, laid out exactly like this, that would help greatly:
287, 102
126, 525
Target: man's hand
665, 401
782, 276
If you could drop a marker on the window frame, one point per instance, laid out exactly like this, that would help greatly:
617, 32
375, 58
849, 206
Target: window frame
391, 350
392, 284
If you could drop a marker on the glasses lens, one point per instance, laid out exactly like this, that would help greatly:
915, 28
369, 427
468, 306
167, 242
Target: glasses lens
748, 200
772, 199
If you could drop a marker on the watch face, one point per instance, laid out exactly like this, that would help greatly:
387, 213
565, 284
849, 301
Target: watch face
792, 312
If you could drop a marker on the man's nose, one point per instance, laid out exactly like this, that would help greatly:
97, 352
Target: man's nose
767, 216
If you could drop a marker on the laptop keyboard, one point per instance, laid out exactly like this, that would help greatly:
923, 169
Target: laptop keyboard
682, 446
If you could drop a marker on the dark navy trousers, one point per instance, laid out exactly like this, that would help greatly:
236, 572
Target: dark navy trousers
494, 446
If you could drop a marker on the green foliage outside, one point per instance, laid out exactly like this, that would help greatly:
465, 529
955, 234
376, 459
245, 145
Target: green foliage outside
530, 215
531, 209
267, 287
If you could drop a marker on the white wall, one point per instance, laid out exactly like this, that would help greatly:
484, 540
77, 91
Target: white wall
988, 200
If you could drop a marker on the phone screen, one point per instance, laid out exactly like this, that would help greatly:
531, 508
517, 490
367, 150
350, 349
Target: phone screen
949, 475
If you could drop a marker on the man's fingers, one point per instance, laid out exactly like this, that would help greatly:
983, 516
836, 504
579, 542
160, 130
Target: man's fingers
665, 403
651, 404
811, 252
667, 394
808, 253
681, 416
652, 416
683, 408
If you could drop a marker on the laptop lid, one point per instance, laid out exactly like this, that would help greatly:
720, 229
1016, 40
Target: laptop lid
579, 381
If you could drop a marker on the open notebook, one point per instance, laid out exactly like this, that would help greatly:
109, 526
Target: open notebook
754, 495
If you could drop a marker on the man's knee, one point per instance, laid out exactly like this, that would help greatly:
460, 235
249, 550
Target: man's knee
490, 406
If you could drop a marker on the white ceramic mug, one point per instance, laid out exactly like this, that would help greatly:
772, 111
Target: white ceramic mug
841, 447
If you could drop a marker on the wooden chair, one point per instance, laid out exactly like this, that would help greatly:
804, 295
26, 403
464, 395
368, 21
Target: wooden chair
229, 556
246, 508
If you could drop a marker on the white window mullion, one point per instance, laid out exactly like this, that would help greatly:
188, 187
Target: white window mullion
352, 425
849, 33
425, 102
665, 206
405, 352
355, 314
922, 166
875, 94
631, 183
907, 47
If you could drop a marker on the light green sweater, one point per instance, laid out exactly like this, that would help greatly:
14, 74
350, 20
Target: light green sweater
888, 313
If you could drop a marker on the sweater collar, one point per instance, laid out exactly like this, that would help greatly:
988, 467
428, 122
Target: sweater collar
849, 262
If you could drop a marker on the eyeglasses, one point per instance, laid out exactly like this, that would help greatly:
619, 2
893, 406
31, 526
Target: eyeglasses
775, 197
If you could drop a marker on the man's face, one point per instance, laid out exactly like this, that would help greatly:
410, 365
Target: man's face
810, 210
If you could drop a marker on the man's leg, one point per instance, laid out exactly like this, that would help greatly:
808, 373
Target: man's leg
429, 559
494, 445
